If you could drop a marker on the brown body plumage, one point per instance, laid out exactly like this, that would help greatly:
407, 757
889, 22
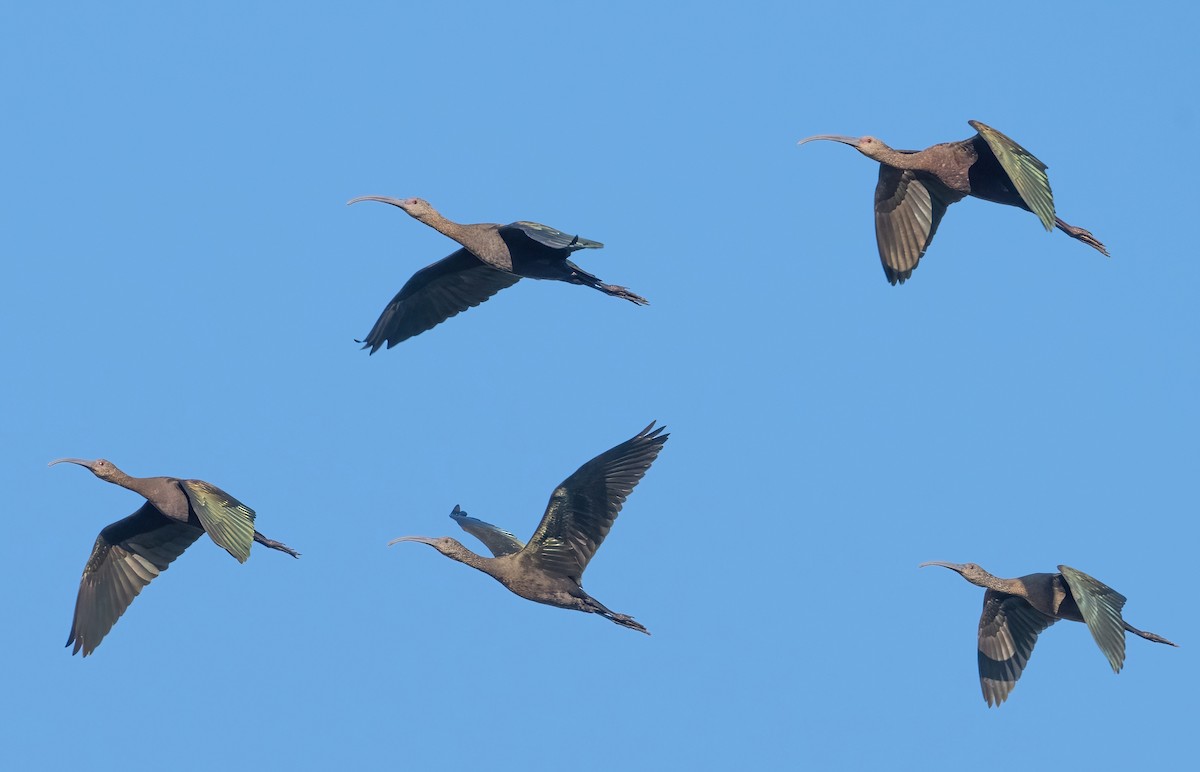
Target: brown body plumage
549, 569
131, 552
1015, 611
915, 187
493, 257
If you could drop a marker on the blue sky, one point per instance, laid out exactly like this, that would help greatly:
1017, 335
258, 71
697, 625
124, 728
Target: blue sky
185, 284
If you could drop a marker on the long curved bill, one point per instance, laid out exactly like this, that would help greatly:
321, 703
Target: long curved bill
381, 199
79, 461
408, 538
851, 141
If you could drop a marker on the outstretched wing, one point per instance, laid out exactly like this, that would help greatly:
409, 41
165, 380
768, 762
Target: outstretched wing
126, 557
499, 541
583, 508
1008, 629
552, 237
228, 522
1101, 608
1027, 173
908, 208
434, 294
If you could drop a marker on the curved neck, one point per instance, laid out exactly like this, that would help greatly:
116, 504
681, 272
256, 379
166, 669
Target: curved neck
165, 493
481, 239
140, 485
446, 227
1007, 586
894, 158
453, 549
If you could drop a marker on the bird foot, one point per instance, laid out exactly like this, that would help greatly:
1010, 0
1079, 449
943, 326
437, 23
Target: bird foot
622, 292
275, 545
624, 620
1083, 235
1155, 638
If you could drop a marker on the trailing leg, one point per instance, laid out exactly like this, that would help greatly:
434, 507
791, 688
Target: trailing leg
275, 545
1079, 233
1148, 636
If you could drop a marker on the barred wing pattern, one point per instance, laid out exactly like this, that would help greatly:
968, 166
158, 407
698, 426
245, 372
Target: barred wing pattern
908, 208
1008, 629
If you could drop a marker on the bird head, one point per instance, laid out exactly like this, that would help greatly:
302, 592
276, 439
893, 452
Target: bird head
443, 544
972, 572
868, 146
102, 468
418, 208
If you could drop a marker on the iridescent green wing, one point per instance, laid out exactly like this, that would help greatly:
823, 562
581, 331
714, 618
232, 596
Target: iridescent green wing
1101, 608
552, 237
228, 522
1027, 173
